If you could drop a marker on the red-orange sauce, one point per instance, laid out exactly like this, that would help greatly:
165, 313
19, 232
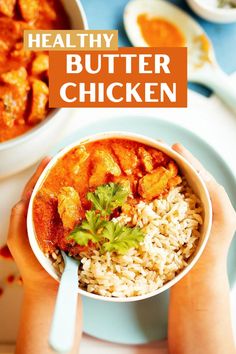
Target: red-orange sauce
5, 253
15, 104
158, 32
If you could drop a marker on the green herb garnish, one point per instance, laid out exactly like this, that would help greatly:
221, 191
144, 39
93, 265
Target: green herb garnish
110, 236
88, 230
121, 238
108, 197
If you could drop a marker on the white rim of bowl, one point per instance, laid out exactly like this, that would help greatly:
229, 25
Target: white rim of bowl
133, 137
218, 10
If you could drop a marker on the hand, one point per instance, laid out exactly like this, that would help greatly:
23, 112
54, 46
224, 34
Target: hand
33, 275
224, 216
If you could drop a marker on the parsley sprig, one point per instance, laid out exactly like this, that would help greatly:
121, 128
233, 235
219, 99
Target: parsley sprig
110, 236
120, 238
89, 229
108, 197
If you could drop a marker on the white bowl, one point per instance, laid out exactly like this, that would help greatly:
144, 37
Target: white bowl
212, 13
189, 172
25, 150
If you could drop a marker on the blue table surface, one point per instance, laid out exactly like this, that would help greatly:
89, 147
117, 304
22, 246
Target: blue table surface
105, 14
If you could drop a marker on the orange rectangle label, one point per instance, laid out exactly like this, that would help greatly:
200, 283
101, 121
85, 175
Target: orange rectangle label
129, 77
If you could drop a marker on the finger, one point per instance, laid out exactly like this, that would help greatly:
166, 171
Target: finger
17, 240
17, 224
31, 183
207, 177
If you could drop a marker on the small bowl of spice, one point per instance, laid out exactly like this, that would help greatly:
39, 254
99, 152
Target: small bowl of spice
218, 11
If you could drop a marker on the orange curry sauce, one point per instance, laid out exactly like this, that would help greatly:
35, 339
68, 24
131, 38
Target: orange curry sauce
158, 32
24, 74
148, 172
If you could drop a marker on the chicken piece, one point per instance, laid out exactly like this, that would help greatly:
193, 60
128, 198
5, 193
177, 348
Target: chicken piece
29, 9
13, 96
126, 156
40, 64
159, 158
153, 184
18, 78
12, 106
81, 153
7, 7
81, 156
124, 182
129, 182
10, 33
69, 207
159, 181
146, 159
40, 94
19, 53
103, 165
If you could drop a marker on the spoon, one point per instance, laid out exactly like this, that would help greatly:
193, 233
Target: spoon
202, 65
62, 332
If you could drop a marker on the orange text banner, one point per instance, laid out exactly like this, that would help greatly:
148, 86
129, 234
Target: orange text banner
128, 77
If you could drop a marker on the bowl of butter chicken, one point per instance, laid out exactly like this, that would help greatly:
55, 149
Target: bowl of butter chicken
27, 125
133, 213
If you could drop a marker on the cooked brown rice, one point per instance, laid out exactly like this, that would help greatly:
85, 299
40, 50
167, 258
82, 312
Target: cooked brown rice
171, 226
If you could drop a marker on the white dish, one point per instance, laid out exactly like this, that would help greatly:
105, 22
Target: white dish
212, 13
21, 152
188, 171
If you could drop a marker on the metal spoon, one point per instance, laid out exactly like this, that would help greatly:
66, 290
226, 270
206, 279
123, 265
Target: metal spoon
202, 65
62, 332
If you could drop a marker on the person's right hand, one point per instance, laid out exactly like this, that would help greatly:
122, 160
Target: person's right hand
224, 216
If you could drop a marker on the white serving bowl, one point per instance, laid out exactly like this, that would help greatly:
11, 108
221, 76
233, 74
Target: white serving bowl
188, 171
212, 13
25, 150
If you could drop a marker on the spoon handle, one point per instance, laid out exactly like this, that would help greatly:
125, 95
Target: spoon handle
62, 333
214, 78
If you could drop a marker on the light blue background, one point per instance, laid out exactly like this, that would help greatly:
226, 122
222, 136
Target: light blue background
108, 14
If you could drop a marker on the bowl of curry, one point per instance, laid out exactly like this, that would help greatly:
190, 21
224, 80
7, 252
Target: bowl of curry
26, 121
132, 211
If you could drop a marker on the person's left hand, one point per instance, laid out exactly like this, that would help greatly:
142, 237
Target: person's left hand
33, 275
